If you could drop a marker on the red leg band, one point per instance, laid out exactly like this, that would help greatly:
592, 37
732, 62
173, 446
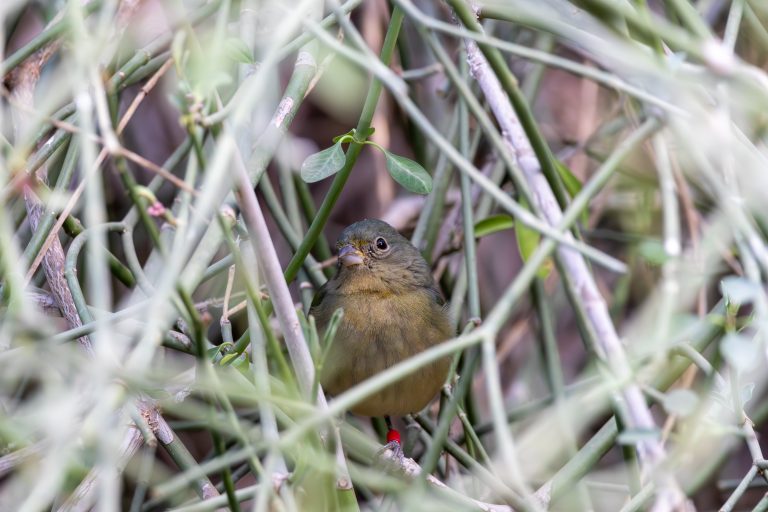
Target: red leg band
393, 436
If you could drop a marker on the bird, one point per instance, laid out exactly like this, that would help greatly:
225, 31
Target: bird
392, 310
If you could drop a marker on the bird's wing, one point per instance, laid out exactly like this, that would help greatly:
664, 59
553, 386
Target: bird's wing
436, 295
319, 296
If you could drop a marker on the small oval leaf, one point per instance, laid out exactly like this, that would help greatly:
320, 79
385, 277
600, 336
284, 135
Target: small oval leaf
739, 290
741, 352
572, 186
493, 224
527, 242
409, 174
325, 163
238, 51
680, 402
571, 182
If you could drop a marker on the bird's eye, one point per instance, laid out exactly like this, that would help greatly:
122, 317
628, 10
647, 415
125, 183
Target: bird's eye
381, 244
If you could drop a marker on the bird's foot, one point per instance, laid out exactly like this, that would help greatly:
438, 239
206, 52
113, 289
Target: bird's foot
390, 457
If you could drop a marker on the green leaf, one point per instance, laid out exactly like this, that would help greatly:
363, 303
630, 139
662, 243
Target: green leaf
571, 182
212, 353
237, 361
527, 241
409, 174
572, 185
238, 51
653, 252
741, 352
680, 402
229, 359
739, 290
325, 163
493, 224
345, 137
216, 354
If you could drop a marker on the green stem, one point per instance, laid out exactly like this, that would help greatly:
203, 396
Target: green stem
218, 267
689, 16
554, 372
519, 103
132, 259
498, 486
139, 203
496, 317
474, 445
226, 474
366, 117
146, 465
470, 254
138, 67
70, 270
522, 214
195, 323
187, 463
431, 215
619, 13
48, 218
532, 80
170, 164
291, 236
39, 41
580, 464
739, 491
502, 12
756, 27
447, 413
251, 289
762, 505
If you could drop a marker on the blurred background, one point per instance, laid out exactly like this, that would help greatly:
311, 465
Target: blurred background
141, 375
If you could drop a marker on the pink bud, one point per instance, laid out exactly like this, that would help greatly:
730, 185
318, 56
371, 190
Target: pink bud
156, 209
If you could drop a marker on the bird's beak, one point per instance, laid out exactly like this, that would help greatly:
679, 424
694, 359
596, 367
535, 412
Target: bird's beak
349, 256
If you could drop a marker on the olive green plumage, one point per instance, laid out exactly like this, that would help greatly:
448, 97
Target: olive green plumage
392, 311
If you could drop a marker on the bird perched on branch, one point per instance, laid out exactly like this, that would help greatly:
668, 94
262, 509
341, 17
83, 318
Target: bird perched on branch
392, 311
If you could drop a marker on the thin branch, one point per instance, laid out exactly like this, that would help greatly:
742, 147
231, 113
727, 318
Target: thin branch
608, 345
52, 256
283, 303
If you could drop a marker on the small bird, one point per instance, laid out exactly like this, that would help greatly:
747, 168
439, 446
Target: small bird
392, 311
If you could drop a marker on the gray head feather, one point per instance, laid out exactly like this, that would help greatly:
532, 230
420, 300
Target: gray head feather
400, 261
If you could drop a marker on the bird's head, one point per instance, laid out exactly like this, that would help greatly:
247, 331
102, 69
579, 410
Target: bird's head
374, 247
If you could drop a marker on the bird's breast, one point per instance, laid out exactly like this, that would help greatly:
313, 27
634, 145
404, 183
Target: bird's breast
379, 330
